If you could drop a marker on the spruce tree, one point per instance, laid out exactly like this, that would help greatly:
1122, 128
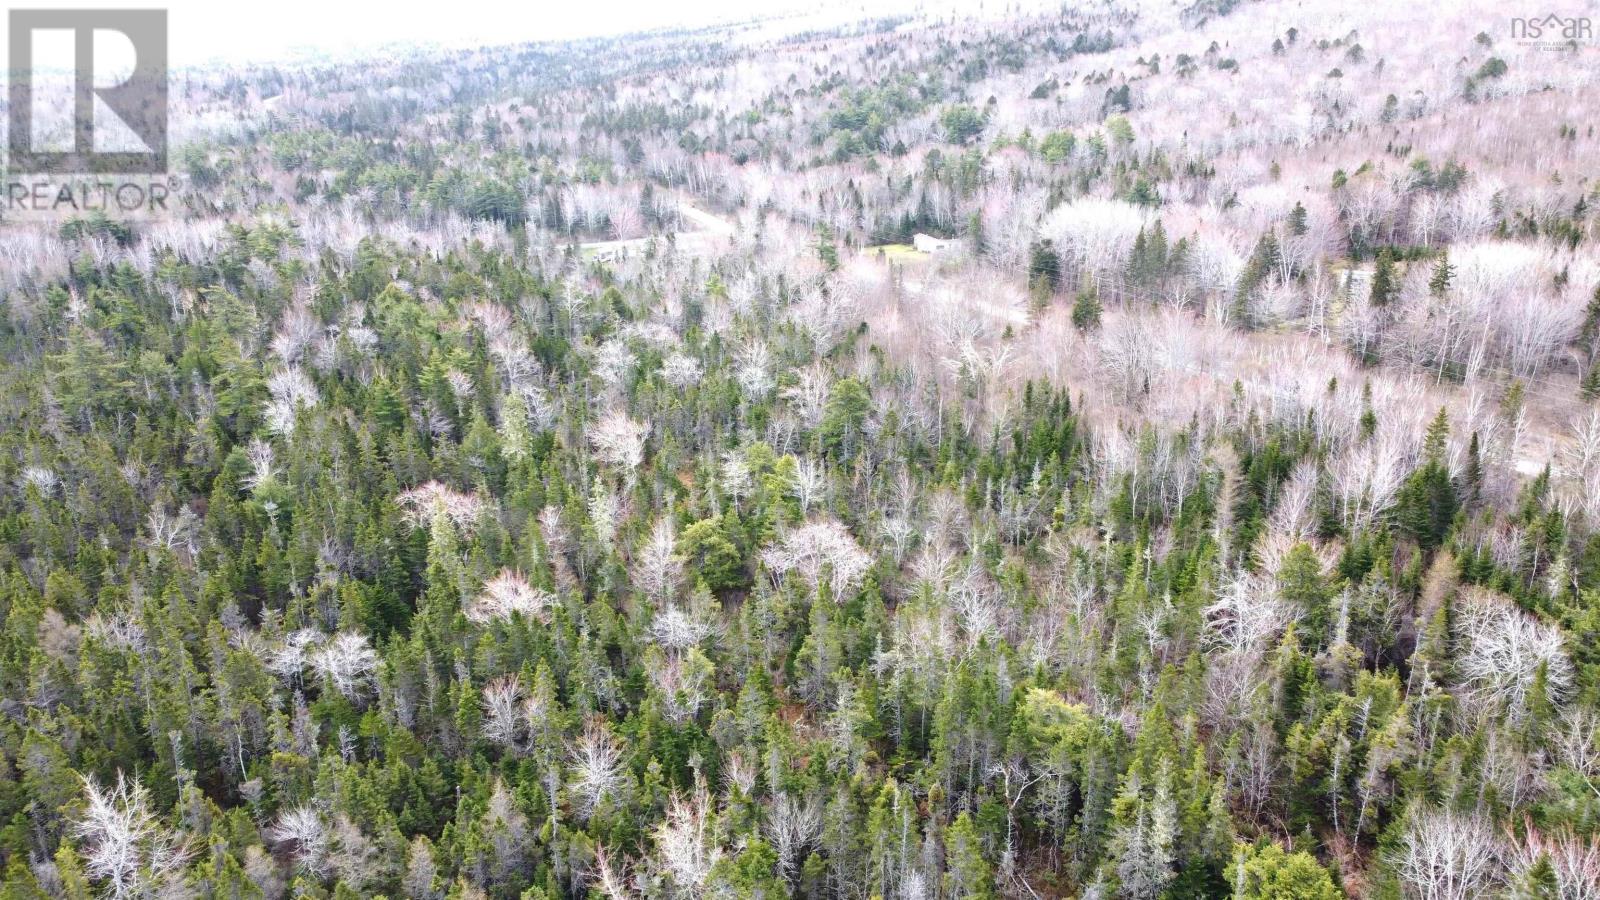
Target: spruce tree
1439, 283
1383, 279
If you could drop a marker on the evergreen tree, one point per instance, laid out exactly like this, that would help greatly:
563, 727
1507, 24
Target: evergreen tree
1044, 266
1384, 285
1443, 272
1267, 872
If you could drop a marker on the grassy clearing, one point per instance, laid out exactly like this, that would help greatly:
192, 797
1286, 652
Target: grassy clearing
898, 252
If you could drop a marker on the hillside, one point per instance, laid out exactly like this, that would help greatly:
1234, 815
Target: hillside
554, 470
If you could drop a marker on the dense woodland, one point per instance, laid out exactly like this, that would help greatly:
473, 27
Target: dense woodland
1218, 517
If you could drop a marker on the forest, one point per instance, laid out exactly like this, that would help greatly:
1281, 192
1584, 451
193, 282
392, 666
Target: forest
1117, 449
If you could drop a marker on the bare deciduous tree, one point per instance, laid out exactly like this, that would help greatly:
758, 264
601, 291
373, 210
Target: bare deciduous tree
1505, 650
809, 395
176, 532
506, 594
302, 827
822, 547
125, 846
618, 441
346, 662
288, 658
1247, 615
422, 504
597, 771
1447, 856
503, 722
681, 371
687, 845
1574, 860
291, 390
810, 482
792, 825
612, 883
657, 568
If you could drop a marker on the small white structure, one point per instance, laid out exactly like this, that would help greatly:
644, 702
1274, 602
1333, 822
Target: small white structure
927, 243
